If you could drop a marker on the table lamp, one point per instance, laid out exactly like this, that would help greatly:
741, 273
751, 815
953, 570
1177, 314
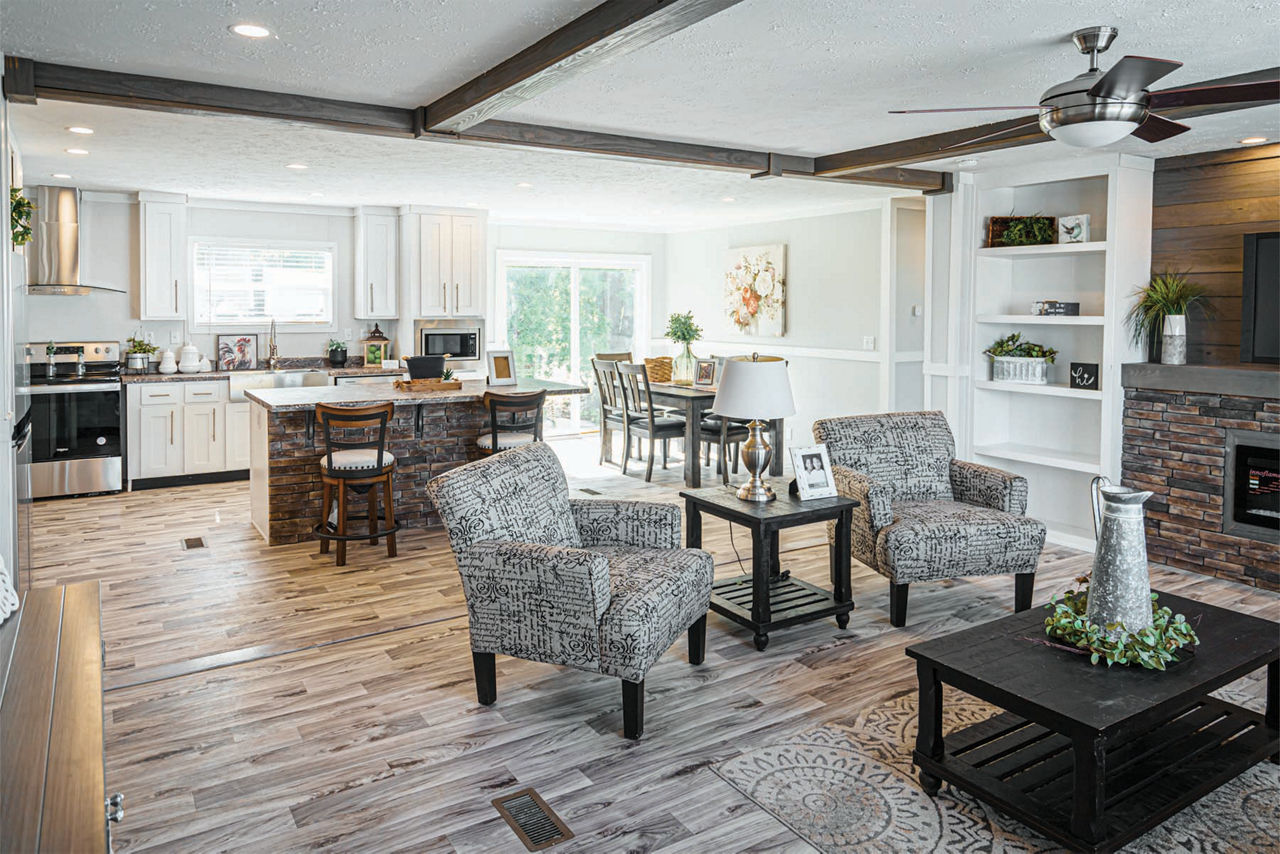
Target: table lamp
755, 388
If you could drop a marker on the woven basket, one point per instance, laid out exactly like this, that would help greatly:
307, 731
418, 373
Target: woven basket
1019, 369
659, 369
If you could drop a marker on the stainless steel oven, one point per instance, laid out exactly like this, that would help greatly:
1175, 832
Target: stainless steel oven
76, 436
462, 342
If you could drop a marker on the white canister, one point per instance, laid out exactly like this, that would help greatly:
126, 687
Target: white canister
168, 365
189, 363
1173, 343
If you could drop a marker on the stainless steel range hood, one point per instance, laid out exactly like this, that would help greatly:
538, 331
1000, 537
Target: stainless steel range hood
53, 255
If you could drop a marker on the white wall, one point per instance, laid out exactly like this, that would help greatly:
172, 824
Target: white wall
834, 286
111, 255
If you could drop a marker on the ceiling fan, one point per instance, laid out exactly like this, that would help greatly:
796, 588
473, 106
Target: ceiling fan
1098, 108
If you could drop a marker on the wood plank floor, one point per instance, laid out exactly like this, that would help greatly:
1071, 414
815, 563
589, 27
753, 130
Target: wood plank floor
263, 699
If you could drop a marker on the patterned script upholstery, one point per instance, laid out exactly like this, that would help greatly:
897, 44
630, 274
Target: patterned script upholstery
594, 584
925, 515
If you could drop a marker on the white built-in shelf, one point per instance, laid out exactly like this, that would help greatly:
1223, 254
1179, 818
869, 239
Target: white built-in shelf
1051, 457
1049, 389
1043, 319
1045, 250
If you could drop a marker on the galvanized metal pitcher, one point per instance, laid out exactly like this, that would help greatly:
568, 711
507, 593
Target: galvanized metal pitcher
1120, 589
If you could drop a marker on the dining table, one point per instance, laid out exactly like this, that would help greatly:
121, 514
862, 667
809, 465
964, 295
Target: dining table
694, 402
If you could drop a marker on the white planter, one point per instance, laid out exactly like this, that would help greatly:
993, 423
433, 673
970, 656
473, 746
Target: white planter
1019, 369
1173, 348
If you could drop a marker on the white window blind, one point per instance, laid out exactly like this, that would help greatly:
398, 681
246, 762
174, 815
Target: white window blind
248, 283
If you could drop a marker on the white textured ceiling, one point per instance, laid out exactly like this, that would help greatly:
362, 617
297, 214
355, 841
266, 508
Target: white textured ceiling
244, 158
798, 76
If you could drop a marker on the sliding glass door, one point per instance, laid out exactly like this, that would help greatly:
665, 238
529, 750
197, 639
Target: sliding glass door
560, 310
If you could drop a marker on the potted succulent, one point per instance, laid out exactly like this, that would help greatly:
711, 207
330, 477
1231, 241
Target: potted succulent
1159, 315
140, 353
20, 210
337, 353
682, 330
1016, 361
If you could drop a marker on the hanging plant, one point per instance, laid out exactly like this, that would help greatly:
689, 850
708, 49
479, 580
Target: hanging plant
20, 210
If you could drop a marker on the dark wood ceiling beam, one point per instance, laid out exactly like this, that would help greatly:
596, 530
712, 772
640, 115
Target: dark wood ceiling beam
19, 80
109, 88
610, 30
953, 143
112, 88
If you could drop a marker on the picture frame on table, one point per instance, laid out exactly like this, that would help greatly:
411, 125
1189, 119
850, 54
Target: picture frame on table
502, 367
238, 351
706, 373
814, 478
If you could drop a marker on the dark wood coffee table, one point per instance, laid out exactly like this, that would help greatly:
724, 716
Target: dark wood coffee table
1091, 757
771, 598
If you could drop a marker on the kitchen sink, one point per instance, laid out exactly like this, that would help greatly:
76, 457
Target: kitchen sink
240, 381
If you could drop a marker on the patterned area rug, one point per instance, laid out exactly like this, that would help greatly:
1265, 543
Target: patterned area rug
850, 786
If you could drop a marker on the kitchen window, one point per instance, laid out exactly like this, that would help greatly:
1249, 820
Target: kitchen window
253, 283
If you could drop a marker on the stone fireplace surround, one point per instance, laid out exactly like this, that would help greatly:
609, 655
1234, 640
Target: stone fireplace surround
1176, 425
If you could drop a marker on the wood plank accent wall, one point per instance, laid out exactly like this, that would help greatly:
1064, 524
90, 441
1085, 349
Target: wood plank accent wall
1203, 205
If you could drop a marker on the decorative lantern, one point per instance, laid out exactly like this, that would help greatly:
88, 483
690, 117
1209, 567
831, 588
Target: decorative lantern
376, 348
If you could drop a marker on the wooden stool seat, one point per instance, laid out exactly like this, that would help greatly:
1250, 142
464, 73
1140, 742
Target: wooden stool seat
355, 463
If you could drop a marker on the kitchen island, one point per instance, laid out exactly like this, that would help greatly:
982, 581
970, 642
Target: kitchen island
430, 433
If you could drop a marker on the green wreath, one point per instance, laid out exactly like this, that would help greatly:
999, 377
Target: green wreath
1152, 648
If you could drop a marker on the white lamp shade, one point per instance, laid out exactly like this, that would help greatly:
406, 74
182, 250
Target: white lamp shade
1093, 134
754, 390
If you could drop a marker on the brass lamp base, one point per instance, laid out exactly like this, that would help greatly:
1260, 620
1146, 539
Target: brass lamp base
756, 455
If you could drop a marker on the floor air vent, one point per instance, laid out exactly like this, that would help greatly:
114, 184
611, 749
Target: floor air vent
189, 543
532, 820
589, 491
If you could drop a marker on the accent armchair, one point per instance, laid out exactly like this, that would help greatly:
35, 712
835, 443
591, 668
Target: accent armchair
926, 516
598, 585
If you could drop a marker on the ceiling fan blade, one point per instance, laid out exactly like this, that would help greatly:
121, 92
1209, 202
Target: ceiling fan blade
965, 109
1157, 128
1131, 76
1232, 93
1033, 120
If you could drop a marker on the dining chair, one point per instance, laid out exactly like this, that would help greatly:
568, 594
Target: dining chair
515, 419
612, 411
642, 419
615, 357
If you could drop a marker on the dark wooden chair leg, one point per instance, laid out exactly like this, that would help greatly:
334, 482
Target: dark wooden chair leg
898, 604
326, 503
698, 640
388, 516
1024, 584
633, 709
486, 677
373, 514
342, 522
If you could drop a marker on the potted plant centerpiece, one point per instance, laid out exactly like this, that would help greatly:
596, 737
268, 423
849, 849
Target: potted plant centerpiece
1016, 361
337, 352
140, 354
682, 330
1159, 315
20, 210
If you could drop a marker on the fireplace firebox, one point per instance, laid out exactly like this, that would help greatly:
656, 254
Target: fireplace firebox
1252, 493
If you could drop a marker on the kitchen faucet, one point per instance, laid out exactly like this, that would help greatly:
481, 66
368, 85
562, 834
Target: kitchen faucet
273, 358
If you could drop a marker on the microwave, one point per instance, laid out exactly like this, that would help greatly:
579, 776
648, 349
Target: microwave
457, 343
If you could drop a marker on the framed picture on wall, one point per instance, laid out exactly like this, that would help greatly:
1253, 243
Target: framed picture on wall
237, 352
813, 472
502, 368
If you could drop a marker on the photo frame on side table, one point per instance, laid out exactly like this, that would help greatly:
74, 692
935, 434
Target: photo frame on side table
814, 478
502, 368
238, 352
705, 374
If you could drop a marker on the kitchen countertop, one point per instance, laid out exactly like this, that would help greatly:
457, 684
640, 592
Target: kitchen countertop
222, 375
293, 399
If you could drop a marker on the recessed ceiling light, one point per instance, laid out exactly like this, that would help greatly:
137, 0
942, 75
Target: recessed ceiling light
59, 175
295, 166
250, 31
78, 129
728, 199
524, 185
77, 151
1253, 140
967, 162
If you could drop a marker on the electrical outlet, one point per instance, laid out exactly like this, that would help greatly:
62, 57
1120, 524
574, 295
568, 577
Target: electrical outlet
868, 342
917, 311
346, 333
149, 336
175, 336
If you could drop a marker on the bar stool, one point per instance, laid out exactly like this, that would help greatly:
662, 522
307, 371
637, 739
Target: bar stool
355, 463
521, 426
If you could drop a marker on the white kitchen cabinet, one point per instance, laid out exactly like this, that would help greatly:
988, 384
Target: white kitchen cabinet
164, 259
452, 265
377, 267
160, 440
204, 436
237, 442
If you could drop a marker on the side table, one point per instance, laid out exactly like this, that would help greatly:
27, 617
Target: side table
770, 598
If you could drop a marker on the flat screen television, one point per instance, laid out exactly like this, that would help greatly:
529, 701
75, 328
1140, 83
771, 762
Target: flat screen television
1260, 312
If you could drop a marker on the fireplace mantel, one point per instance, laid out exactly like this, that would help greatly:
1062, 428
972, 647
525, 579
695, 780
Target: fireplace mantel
1238, 380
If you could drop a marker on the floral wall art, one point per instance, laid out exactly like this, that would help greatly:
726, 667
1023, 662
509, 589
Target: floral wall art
756, 290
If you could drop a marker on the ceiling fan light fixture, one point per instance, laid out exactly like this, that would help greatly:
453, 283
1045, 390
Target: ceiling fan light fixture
1094, 134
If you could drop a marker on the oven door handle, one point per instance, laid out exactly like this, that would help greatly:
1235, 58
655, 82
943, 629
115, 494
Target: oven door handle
22, 432
69, 388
